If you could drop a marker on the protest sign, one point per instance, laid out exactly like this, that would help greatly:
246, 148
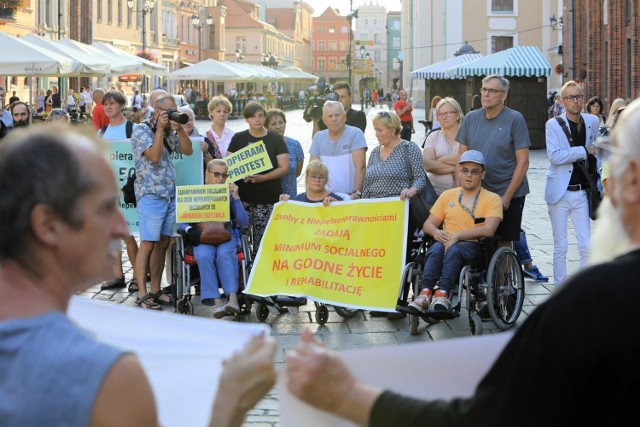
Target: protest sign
188, 172
348, 254
201, 203
249, 161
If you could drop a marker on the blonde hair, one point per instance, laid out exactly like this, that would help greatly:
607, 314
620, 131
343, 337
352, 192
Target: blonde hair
316, 168
434, 101
390, 120
453, 104
613, 111
219, 100
567, 85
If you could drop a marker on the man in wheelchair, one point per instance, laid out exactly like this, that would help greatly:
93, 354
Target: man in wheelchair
468, 213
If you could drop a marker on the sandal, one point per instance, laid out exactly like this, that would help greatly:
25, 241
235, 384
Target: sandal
157, 298
148, 303
133, 286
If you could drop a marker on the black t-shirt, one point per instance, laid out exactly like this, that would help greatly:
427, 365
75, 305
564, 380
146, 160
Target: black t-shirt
55, 100
267, 192
354, 118
574, 361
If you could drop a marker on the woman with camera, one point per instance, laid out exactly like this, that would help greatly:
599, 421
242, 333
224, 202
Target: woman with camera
218, 264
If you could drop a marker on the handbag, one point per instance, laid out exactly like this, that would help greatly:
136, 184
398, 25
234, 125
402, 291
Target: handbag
594, 197
213, 233
128, 190
420, 205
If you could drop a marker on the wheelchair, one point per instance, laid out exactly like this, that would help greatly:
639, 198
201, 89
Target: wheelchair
187, 276
492, 287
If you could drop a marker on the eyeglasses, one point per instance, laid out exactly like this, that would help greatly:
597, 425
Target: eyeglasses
317, 178
219, 174
573, 98
473, 172
446, 114
490, 91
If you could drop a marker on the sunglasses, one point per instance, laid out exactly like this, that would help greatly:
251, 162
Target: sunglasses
219, 174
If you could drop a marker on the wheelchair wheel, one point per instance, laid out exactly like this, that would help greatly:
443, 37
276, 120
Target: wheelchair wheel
322, 314
345, 312
185, 306
505, 290
262, 312
475, 323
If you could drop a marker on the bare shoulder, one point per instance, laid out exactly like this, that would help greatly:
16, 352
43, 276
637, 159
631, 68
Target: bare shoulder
125, 398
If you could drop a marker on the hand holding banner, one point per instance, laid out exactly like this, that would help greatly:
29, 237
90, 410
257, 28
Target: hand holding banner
202, 203
249, 161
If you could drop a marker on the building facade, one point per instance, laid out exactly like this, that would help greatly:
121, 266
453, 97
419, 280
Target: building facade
370, 46
331, 46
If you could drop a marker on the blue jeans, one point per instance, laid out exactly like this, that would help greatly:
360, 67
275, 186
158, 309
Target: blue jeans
522, 249
446, 267
217, 265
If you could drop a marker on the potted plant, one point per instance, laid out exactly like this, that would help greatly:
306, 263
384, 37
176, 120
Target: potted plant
8, 8
559, 69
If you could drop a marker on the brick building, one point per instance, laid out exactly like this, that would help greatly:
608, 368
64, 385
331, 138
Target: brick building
330, 45
601, 47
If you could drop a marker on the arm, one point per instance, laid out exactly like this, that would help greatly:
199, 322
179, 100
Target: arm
154, 153
487, 229
319, 377
432, 227
359, 161
419, 177
444, 165
236, 206
125, 397
279, 171
558, 149
245, 379
522, 165
185, 142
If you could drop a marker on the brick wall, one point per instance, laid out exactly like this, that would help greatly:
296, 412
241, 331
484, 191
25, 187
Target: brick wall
605, 72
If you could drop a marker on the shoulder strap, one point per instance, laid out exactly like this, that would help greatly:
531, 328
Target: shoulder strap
129, 128
406, 160
565, 129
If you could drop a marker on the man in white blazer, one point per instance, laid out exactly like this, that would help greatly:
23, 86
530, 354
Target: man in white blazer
565, 189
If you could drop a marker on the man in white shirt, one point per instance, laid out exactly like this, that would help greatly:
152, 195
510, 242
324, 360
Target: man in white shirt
342, 148
136, 101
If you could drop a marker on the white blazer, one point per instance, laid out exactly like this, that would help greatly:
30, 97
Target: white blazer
562, 155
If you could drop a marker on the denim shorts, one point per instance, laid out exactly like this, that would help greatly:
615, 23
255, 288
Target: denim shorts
156, 216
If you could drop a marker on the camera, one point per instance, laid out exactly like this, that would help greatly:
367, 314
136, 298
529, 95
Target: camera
313, 110
177, 117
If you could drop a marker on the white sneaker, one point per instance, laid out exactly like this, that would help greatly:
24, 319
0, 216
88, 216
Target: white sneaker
421, 303
441, 303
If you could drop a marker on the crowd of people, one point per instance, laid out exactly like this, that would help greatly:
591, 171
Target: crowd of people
65, 217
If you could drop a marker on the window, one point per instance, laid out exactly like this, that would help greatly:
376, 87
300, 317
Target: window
344, 29
377, 39
241, 44
321, 64
502, 6
119, 13
375, 21
332, 64
332, 29
499, 43
364, 36
321, 29
627, 89
109, 11
377, 56
627, 12
321, 45
98, 8
366, 21
395, 42
395, 25
333, 45
343, 45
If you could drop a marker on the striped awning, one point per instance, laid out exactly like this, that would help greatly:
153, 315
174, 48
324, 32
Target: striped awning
439, 69
519, 61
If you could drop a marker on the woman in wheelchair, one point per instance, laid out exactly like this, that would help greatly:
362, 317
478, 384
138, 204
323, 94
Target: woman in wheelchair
218, 264
468, 212
316, 177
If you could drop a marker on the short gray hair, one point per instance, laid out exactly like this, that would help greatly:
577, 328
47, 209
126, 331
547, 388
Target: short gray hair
331, 104
504, 83
188, 111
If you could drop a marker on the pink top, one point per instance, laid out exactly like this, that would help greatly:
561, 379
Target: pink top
438, 142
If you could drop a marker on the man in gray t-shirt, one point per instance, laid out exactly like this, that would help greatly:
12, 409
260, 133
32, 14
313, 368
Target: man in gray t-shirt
501, 135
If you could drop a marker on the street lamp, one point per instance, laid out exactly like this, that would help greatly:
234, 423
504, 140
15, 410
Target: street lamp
363, 54
147, 7
399, 60
195, 20
351, 16
553, 21
239, 56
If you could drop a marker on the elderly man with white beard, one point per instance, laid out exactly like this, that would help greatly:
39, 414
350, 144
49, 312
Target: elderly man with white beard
574, 361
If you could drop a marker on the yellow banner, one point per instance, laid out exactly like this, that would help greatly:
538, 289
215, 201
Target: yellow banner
249, 161
347, 254
202, 203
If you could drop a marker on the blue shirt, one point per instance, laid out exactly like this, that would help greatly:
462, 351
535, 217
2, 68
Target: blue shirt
296, 155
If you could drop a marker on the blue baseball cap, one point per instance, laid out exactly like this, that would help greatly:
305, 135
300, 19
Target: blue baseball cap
472, 156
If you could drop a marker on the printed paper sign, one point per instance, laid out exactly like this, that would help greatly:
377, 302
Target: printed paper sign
249, 161
188, 172
348, 254
202, 203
